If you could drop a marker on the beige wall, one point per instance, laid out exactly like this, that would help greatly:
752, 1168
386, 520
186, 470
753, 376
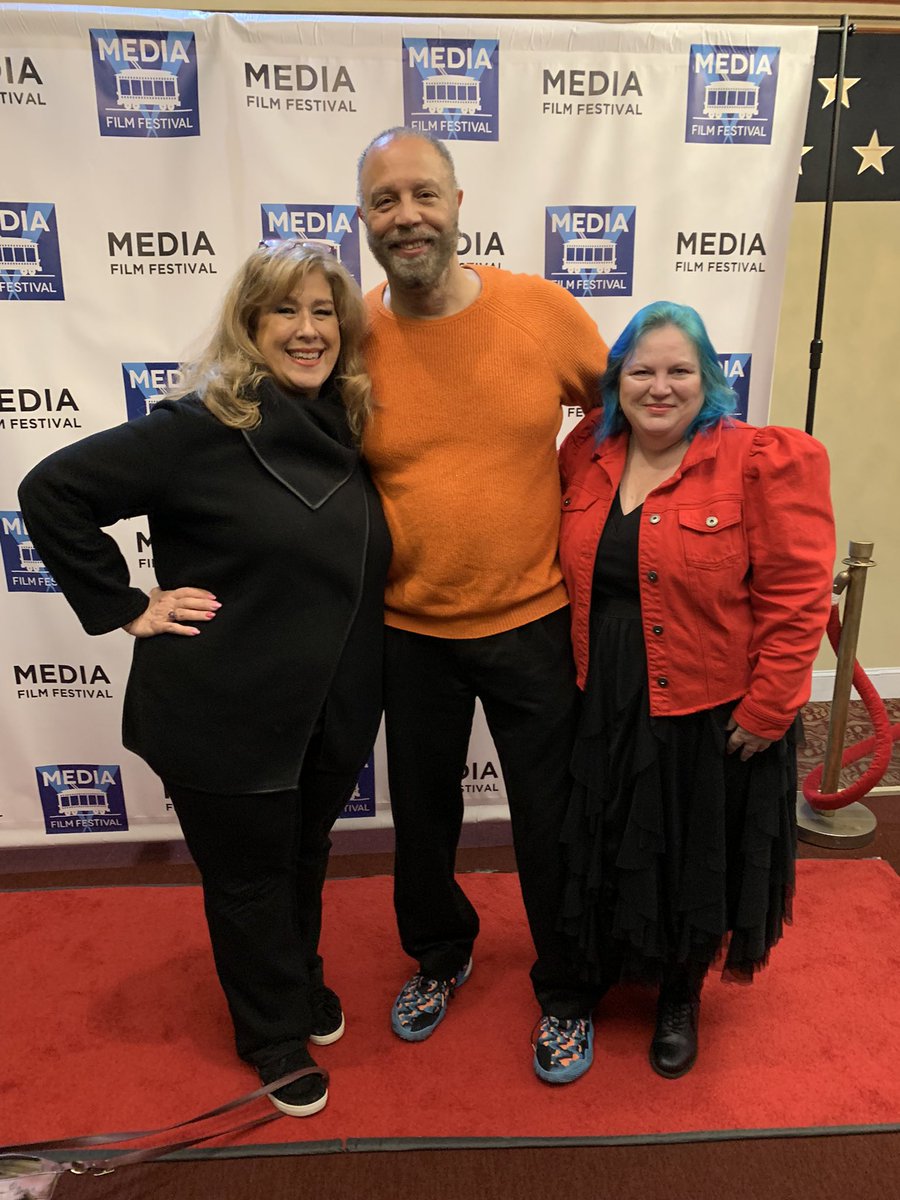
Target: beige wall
859, 383
858, 394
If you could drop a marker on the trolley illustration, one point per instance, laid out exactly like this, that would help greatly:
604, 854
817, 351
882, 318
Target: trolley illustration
332, 247
140, 87
729, 99
20, 254
82, 802
29, 560
440, 92
589, 254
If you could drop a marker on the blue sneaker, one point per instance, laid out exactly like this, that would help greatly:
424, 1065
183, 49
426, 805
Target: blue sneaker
563, 1050
422, 1004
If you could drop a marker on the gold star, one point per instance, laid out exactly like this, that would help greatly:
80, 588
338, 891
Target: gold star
830, 86
805, 150
872, 155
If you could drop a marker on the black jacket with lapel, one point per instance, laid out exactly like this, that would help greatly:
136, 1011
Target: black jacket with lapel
283, 525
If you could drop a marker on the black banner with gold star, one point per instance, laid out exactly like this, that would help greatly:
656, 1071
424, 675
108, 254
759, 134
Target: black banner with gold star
868, 154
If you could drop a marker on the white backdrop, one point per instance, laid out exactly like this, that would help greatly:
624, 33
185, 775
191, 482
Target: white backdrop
145, 153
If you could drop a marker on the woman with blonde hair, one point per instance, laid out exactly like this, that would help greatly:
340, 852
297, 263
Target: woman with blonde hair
255, 690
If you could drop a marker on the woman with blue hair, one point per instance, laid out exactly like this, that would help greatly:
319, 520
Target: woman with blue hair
698, 553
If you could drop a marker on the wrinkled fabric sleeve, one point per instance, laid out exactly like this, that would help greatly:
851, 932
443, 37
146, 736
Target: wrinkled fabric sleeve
69, 497
790, 531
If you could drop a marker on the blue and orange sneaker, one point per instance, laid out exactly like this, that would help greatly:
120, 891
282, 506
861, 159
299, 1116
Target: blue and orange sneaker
563, 1050
422, 1004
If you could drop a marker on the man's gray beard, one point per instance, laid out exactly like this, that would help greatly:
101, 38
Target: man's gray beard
421, 272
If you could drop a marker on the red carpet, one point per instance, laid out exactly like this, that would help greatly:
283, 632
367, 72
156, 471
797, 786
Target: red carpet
113, 1020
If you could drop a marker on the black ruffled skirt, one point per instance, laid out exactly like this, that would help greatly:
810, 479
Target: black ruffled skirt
677, 852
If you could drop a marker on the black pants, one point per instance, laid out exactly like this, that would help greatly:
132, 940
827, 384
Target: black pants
262, 858
525, 680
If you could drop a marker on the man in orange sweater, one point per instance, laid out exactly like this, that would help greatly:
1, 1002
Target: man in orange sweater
470, 367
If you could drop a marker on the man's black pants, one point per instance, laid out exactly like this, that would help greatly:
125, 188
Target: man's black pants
525, 679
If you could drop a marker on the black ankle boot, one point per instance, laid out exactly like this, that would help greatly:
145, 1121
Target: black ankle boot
673, 1050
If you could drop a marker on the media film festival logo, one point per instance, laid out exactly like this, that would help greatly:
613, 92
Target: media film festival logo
19, 82
731, 94
262, 78
334, 227
25, 572
81, 798
146, 383
146, 83
30, 267
18, 401
451, 87
590, 251
737, 372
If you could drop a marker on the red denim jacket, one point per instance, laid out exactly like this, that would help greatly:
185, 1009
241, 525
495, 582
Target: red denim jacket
736, 553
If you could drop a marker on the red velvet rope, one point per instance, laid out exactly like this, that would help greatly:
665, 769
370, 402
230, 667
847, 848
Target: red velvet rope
881, 742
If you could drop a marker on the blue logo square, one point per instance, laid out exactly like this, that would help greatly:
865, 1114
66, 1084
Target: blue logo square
731, 94
362, 802
146, 83
24, 570
333, 227
451, 87
30, 267
81, 798
590, 250
146, 383
737, 373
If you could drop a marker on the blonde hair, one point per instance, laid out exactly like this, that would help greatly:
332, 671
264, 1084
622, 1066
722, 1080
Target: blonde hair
227, 373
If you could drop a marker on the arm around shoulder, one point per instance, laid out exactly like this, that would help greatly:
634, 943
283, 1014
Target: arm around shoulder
574, 443
582, 350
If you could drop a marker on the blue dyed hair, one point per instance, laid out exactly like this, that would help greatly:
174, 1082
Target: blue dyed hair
719, 400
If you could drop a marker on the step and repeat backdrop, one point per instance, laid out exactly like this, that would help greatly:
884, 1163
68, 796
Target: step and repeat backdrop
146, 153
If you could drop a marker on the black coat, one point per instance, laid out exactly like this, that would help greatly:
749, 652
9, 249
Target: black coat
284, 526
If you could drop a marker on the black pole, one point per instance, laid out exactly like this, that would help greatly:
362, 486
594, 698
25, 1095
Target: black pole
815, 346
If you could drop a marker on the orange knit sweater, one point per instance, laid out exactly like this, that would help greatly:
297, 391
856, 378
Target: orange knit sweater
462, 448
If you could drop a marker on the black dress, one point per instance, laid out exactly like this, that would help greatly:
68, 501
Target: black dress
677, 852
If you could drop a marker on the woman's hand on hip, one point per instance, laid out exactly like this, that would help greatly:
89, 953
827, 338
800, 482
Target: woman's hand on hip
745, 741
167, 611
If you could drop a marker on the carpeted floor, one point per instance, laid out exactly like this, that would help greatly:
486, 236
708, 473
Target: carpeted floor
112, 991
861, 1166
859, 727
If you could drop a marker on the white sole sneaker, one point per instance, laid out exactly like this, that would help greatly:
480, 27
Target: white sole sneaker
326, 1039
300, 1110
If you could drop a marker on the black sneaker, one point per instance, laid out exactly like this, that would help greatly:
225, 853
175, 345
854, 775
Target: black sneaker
327, 1017
303, 1097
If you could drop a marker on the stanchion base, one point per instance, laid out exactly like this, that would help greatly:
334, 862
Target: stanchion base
853, 825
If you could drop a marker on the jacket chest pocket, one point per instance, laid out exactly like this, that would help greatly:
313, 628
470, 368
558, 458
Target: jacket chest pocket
712, 535
576, 499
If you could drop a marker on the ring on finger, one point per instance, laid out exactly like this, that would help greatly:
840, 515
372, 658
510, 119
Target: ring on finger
172, 615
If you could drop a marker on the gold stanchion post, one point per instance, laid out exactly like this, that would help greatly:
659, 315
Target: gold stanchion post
854, 824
